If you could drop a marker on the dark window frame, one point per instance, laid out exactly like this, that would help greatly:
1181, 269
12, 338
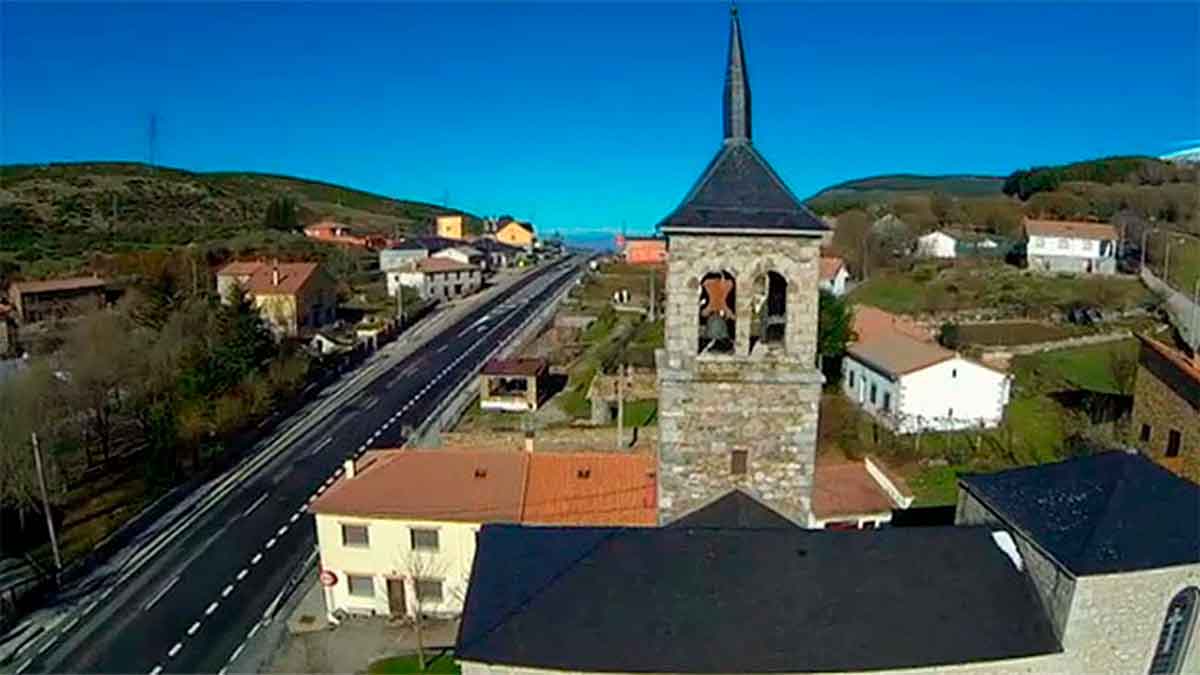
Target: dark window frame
1174, 443
421, 586
350, 527
350, 584
417, 532
739, 462
1174, 638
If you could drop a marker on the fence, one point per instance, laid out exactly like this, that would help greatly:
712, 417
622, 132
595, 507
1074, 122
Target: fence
1184, 312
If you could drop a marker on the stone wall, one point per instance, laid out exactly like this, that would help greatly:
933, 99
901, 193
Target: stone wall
763, 402
1159, 406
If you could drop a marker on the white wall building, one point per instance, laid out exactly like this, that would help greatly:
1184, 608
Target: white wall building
918, 386
937, 245
467, 255
834, 275
1062, 246
436, 279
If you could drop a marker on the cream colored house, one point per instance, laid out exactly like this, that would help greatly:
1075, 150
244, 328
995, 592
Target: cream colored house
293, 298
452, 226
397, 532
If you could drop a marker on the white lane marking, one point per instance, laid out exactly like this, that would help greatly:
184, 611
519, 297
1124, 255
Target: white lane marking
223, 670
323, 444
375, 435
253, 630
294, 518
91, 606
320, 489
193, 628
156, 671
329, 481
175, 649
242, 575
105, 594
255, 505
47, 645
312, 498
371, 403
281, 531
25, 665
256, 558
213, 607
270, 542
237, 652
226, 591
70, 624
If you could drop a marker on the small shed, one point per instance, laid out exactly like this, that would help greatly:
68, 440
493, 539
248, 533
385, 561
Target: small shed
512, 385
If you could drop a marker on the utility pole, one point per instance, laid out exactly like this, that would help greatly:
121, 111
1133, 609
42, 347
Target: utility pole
1167, 263
400, 304
1145, 238
37, 459
621, 407
653, 274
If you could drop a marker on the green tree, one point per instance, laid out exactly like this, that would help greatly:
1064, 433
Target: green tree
281, 215
835, 330
948, 336
244, 344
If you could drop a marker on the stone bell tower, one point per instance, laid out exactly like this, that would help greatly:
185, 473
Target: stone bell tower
738, 383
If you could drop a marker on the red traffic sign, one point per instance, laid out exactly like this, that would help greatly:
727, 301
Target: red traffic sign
328, 578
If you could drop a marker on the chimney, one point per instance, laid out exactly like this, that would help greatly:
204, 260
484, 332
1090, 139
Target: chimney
351, 470
529, 441
275, 273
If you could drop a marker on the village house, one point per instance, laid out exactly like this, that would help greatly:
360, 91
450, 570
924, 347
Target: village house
37, 301
951, 243
643, 250
1064, 246
1166, 407
512, 385
436, 279
294, 298
1060, 568
856, 495
515, 233
834, 275
396, 532
332, 232
467, 255
499, 256
401, 254
913, 386
453, 226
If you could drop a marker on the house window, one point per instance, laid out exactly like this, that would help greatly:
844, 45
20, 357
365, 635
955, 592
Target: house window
429, 590
355, 536
887, 401
954, 373
425, 540
1064, 243
950, 413
1173, 640
1145, 435
361, 586
737, 462
852, 379
1174, 440
872, 394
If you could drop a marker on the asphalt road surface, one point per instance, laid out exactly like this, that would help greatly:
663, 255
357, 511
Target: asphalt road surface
191, 596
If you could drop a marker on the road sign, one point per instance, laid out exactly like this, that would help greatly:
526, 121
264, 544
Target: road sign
328, 578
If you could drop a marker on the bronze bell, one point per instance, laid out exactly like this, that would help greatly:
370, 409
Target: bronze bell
716, 328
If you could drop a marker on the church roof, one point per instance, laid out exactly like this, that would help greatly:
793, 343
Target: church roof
736, 600
735, 509
1101, 514
739, 192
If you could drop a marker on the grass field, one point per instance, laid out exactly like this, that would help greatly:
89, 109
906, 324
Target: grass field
1183, 268
1018, 292
1099, 368
437, 663
1016, 333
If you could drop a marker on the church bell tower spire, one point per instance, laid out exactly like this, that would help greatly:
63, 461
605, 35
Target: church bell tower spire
737, 85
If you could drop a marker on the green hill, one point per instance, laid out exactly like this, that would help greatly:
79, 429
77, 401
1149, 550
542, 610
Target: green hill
954, 185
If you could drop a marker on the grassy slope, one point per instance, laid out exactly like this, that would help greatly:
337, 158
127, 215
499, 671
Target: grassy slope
957, 185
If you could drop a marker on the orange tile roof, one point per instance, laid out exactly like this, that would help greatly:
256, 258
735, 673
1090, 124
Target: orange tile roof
544, 488
830, 267
514, 367
437, 264
899, 354
845, 489
1185, 366
871, 323
461, 486
49, 285
1070, 229
260, 276
591, 489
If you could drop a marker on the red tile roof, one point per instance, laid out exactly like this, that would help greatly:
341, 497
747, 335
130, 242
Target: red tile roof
1070, 229
830, 267
551, 488
259, 276
846, 489
591, 489
871, 323
50, 285
516, 367
1185, 366
899, 354
436, 264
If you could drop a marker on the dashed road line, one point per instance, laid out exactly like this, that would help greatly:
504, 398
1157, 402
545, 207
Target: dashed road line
270, 542
226, 591
242, 575
281, 531
156, 671
237, 652
255, 505
175, 650
193, 628
213, 607
254, 629
257, 557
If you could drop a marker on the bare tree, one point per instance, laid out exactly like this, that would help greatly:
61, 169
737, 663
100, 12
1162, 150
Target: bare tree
424, 571
99, 361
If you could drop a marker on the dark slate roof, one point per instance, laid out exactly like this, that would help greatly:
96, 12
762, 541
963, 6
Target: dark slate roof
493, 246
1111, 512
735, 509
737, 84
706, 600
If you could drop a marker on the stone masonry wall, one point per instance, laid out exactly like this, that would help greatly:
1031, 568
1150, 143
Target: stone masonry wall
765, 402
1161, 408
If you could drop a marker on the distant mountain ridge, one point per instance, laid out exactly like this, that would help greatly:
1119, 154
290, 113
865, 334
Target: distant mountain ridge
958, 185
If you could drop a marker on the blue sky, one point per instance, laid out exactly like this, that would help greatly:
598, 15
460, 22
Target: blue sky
584, 116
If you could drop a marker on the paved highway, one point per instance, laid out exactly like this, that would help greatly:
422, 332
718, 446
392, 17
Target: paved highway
187, 599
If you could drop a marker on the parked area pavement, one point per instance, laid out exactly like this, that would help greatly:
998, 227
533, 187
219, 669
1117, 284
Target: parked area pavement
311, 644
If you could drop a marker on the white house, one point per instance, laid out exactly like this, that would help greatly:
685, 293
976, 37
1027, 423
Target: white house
1063, 246
834, 275
937, 245
436, 278
401, 254
396, 532
467, 255
913, 386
